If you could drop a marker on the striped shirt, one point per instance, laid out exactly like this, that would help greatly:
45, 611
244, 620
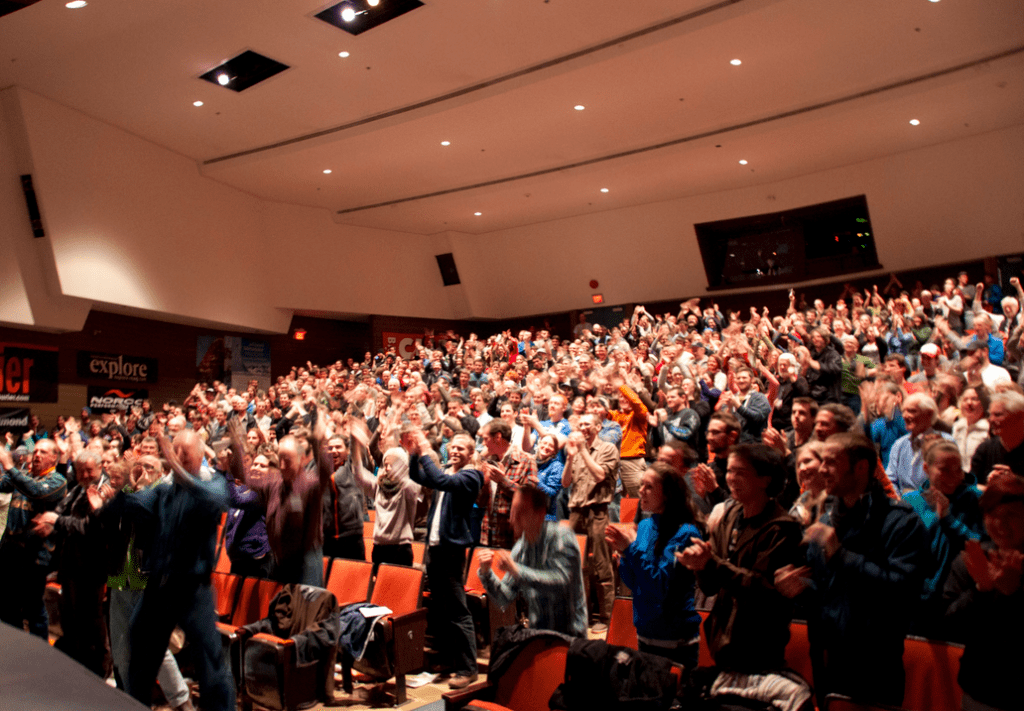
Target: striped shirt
549, 578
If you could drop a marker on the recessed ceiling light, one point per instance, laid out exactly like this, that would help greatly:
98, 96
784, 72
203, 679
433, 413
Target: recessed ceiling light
223, 79
604, 190
342, 54
327, 171
933, 0
373, 3
197, 103
446, 143
743, 162
735, 62
348, 14
579, 107
914, 122
478, 213
75, 4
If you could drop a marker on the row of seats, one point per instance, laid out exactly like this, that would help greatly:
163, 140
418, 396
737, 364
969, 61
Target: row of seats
931, 667
241, 601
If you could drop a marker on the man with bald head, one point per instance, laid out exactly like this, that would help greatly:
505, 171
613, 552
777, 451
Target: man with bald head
179, 522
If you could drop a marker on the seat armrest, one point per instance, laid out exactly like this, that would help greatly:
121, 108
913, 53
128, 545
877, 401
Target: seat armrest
227, 630
481, 691
271, 639
409, 636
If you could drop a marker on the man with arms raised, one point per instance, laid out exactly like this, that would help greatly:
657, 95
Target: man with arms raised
181, 521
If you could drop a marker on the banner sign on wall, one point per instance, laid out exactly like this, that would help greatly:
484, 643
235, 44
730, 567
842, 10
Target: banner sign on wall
403, 343
106, 399
106, 366
247, 360
28, 373
14, 420
233, 360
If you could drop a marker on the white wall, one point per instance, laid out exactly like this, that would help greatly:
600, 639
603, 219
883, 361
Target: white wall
136, 226
946, 203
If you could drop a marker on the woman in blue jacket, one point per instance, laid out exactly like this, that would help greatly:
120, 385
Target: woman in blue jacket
663, 610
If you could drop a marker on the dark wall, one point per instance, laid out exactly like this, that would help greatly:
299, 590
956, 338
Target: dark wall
174, 347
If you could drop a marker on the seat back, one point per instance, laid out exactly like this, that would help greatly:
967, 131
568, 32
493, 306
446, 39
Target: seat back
327, 570
931, 669
254, 600
397, 587
533, 676
473, 582
223, 561
798, 651
621, 631
704, 657
835, 702
368, 529
627, 509
350, 580
368, 547
418, 551
581, 541
225, 592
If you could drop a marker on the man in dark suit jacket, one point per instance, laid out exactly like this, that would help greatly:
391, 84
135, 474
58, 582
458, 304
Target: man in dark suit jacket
448, 537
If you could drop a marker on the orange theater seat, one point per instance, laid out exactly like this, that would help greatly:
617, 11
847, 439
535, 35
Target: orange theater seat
350, 580
487, 617
526, 685
621, 631
931, 669
404, 631
627, 509
225, 593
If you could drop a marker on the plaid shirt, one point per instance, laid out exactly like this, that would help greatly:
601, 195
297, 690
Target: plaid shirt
518, 467
550, 579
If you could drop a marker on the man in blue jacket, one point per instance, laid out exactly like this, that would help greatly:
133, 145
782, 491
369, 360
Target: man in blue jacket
448, 537
867, 560
181, 521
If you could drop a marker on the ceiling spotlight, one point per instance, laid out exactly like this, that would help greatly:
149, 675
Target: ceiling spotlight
478, 213
604, 190
933, 0
223, 79
735, 62
342, 54
915, 122
75, 4
373, 3
446, 143
197, 103
743, 162
579, 107
348, 14
327, 171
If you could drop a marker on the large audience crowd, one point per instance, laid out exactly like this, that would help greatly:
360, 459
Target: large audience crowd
856, 464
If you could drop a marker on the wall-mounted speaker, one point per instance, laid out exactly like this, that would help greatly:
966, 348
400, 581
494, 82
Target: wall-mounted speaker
33, 206
449, 274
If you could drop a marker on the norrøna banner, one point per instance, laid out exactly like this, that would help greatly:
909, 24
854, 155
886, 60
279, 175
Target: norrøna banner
123, 368
106, 399
28, 373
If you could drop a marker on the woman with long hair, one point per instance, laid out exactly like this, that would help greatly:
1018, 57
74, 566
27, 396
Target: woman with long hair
663, 611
